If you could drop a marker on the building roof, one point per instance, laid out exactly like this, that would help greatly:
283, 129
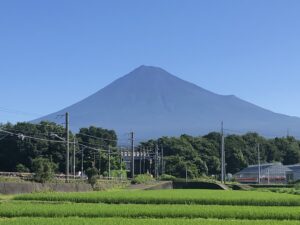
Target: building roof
294, 168
267, 167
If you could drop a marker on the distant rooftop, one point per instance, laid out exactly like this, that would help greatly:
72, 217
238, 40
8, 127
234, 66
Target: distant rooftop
266, 164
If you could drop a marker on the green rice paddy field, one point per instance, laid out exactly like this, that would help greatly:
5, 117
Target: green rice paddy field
152, 207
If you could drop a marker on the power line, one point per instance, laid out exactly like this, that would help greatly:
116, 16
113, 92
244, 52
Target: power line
23, 136
92, 148
94, 145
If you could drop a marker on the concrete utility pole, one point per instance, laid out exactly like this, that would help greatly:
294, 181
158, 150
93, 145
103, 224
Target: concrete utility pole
74, 159
109, 175
82, 161
121, 169
67, 145
223, 171
162, 161
132, 154
258, 159
99, 162
156, 162
140, 156
144, 158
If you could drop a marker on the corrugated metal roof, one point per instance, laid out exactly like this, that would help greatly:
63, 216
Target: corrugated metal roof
267, 168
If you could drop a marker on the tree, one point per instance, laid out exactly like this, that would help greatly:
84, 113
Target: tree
16, 150
213, 165
92, 174
235, 159
292, 153
44, 169
101, 139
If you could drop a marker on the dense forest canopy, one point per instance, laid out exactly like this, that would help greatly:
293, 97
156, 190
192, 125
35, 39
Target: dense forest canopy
21, 143
201, 155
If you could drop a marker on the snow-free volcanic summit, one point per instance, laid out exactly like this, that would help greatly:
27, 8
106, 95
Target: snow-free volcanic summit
153, 103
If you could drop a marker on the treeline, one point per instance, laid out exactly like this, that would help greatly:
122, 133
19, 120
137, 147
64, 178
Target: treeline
21, 143
201, 155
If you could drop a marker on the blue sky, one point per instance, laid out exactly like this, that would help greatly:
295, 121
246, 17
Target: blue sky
55, 53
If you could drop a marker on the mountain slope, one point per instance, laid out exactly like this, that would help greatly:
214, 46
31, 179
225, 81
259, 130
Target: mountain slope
152, 102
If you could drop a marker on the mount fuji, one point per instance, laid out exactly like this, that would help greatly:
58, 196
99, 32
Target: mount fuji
153, 103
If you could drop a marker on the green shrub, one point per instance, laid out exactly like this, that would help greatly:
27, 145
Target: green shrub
92, 174
21, 168
166, 177
297, 186
105, 174
143, 179
119, 174
44, 170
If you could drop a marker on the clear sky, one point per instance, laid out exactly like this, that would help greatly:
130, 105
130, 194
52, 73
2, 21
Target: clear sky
55, 53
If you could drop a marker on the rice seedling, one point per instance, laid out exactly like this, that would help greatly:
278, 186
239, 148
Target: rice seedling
28, 209
201, 197
125, 221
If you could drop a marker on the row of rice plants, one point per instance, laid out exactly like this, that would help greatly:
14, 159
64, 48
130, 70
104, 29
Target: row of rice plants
203, 197
28, 209
124, 221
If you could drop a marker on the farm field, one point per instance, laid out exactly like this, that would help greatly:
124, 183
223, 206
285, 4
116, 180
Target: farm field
20, 209
203, 197
122, 221
152, 207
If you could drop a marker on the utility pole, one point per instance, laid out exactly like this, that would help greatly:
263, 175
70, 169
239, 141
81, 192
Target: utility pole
82, 161
258, 159
162, 161
74, 160
109, 162
121, 169
67, 145
150, 160
99, 162
140, 156
156, 161
144, 164
222, 154
132, 154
